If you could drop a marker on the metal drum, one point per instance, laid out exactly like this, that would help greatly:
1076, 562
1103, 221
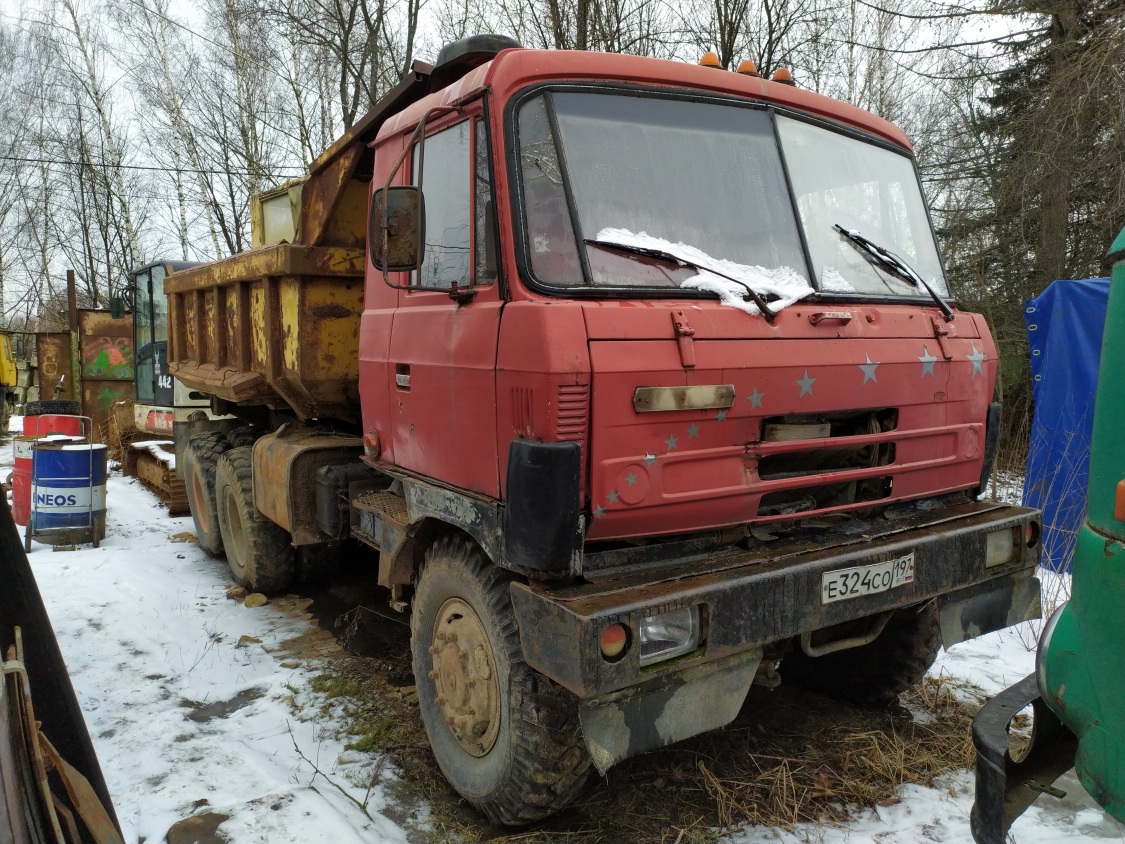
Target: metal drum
67, 492
52, 423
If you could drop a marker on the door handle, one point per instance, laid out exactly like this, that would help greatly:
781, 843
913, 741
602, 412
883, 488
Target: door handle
402, 376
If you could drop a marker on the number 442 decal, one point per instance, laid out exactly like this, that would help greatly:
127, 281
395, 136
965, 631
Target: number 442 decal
164, 382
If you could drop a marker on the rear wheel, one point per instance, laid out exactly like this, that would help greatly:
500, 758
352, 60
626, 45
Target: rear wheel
875, 674
200, 459
507, 738
260, 555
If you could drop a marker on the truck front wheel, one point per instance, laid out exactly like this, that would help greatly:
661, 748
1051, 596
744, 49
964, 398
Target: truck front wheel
875, 674
200, 459
507, 738
259, 552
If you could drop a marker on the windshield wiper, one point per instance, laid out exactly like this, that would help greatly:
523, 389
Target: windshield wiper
767, 312
892, 264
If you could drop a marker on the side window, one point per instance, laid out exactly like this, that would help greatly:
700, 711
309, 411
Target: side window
445, 185
485, 245
159, 306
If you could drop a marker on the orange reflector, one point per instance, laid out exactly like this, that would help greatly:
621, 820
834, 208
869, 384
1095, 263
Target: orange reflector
613, 642
711, 59
747, 68
1119, 503
783, 76
1031, 532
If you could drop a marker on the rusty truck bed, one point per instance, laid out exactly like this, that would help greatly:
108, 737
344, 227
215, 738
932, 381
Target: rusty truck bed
277, 326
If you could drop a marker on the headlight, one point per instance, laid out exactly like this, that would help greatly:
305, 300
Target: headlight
998, 548
669, 635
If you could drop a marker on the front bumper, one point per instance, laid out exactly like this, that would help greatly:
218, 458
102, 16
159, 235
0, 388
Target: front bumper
750, 598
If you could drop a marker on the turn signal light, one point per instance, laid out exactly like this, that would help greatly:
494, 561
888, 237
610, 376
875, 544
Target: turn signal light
711, 59
614, 639
1031, 530
748, 68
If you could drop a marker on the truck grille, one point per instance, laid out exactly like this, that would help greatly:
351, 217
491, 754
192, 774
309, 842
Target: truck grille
803, 448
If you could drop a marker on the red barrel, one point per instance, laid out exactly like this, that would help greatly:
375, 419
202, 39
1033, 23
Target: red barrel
23, 447
52, 423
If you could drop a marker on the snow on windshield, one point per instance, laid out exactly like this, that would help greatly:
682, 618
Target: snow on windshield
832, 280
784, 282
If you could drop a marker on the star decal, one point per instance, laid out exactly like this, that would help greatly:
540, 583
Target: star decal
755, 398
722, 417
650, 458
671, 442
613, 496
692, 431
631, 479
977, 358
805, 384
599, 511
868, 369
928, 362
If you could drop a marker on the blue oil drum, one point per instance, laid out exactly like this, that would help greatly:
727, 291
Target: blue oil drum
68, 492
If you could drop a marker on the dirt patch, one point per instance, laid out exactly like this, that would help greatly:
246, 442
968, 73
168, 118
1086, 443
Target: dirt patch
789, 758
202, 713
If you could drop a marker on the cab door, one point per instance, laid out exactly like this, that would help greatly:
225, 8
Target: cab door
443, 348
150, 338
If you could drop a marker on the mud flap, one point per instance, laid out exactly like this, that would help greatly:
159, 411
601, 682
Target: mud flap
987, 607
1006, 787
666, 710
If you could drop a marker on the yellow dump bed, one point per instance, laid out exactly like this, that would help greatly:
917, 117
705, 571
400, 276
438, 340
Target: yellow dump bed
278, 326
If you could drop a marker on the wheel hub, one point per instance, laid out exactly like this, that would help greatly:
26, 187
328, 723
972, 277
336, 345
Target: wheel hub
464, 673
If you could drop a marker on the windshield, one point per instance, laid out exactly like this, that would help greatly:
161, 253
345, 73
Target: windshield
842, 180
602, 168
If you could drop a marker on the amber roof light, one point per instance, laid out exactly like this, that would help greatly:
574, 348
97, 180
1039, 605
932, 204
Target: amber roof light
783, 76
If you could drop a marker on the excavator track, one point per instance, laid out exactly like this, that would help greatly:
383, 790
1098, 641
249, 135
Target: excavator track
153, 463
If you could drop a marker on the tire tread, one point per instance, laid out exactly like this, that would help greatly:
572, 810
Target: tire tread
549, 761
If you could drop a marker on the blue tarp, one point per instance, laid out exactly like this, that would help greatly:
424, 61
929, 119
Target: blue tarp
1064, 331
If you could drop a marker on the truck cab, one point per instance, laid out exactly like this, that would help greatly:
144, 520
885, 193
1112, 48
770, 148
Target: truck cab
161, 399
646, 383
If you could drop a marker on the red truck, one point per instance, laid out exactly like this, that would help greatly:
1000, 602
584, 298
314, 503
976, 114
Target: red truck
645, 381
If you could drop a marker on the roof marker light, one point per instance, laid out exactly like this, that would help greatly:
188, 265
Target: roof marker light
748, 68
711, 59
783, 76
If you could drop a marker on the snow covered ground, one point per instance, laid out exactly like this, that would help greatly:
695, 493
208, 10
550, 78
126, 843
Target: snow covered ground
198, 704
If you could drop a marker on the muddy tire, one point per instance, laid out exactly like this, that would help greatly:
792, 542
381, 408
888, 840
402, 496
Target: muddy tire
244, 436
200, 459
507, 738
260, 555
873, 675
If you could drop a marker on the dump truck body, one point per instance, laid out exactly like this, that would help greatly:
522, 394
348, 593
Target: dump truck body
596, 470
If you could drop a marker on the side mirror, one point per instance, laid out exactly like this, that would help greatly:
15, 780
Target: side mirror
116, 307
396, 228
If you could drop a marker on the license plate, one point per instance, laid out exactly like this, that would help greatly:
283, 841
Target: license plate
855, 582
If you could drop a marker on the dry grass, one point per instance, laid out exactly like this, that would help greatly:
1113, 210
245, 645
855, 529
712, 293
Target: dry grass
789, 758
